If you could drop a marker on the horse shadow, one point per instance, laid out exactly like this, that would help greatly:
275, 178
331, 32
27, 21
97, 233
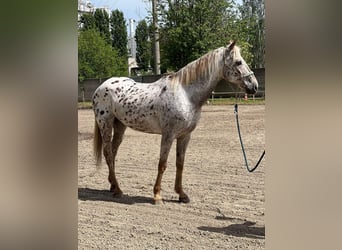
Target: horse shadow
88, 194
246, 229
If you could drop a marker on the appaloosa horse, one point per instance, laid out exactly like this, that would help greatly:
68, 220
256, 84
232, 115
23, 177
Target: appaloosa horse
170, 106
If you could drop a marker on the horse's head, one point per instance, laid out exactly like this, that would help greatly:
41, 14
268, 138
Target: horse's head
237, 71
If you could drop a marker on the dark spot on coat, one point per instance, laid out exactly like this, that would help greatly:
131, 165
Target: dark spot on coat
102, 112
152, 107
163, 90
115, 81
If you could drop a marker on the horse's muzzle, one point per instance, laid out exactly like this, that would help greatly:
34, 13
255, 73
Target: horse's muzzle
251, 89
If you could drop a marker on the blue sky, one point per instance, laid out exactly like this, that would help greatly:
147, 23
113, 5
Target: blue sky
136, 9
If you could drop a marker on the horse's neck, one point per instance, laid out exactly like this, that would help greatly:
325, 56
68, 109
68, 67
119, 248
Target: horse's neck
199, 93
201, 87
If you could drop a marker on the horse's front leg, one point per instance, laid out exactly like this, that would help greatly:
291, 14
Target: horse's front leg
182, 144
166, 143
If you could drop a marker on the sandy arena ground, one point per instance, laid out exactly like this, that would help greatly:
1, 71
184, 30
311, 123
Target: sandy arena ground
227, 204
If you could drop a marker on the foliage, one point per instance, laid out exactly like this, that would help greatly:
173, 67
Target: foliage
102, 24
144, 49
190, 28
119, 32
88, 21
96, 58
253, 16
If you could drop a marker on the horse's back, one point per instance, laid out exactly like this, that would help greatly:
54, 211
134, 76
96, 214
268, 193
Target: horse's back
134, 104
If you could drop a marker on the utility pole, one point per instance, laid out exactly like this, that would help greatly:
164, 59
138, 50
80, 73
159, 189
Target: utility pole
156, 38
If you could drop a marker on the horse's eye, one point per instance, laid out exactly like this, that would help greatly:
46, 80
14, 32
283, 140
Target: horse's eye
238, 63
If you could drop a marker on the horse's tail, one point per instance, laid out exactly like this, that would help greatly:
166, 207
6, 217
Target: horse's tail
97, 145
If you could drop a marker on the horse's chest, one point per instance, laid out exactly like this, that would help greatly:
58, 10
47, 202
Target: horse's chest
182, 119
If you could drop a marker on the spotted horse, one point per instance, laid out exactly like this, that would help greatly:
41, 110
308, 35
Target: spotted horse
171, 107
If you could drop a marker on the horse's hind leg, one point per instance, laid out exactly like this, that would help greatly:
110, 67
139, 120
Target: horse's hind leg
182, 144
106, 133
119, 130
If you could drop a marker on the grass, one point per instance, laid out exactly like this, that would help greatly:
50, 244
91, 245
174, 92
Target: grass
216, 101
240, 101
84, 105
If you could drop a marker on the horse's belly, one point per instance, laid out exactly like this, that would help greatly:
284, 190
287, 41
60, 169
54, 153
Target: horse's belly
146, 127
140, 122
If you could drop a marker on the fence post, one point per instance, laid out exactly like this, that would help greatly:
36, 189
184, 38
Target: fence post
83, 97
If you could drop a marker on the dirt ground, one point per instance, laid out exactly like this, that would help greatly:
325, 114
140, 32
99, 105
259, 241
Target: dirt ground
227, 204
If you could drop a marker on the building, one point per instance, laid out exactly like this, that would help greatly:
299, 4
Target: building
84, 6
132, 48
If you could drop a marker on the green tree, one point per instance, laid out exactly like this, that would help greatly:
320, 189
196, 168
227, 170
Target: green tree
236, 28
119, 32
144, 50
102, 24
88, 21
190, 28
253, 17
96, 58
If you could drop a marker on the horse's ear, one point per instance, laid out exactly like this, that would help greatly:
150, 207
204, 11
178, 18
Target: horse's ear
231, 44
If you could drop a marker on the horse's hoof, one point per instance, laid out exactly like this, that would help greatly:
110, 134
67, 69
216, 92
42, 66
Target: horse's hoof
184, 199
158, 202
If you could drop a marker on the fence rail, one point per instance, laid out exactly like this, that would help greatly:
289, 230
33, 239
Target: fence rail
260, 94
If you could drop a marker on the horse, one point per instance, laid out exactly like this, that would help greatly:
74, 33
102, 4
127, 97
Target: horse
170, 106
